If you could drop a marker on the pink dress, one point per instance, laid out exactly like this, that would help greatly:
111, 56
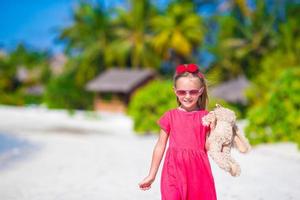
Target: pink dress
186, 172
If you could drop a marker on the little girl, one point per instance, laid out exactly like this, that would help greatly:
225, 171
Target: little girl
186, 172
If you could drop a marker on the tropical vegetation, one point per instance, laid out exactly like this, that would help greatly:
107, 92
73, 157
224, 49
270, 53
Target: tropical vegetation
257, 39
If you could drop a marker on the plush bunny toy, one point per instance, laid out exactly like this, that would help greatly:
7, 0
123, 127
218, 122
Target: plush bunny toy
224, 135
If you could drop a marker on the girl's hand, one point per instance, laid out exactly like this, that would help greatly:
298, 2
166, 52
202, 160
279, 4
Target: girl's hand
212, 125
146, 183
207, 146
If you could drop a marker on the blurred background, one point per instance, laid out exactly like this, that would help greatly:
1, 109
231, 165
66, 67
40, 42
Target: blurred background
97, 75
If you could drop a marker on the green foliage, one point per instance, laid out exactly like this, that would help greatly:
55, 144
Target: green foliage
90, 27
36, 64
63, 92
271, 67
149, 103
27, 57
7, 73
180, 29
86, 41
276, 118
19, 98
32, 99
242, 42
274, 95
11, 98
131, 44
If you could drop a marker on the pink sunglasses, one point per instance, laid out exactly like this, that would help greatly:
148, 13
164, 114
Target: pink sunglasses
190, 92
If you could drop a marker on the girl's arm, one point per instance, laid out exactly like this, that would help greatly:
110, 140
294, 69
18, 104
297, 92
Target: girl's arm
206, 142
157, 155
212, 127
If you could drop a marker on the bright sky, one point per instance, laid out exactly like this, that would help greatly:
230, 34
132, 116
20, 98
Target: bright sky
36, 23
33, 22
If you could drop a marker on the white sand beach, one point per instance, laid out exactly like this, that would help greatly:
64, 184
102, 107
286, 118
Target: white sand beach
98, 157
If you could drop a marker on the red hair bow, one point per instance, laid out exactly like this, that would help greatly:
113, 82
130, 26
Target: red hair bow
192, 68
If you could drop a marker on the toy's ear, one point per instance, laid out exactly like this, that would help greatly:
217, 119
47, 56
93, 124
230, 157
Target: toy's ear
240, 142
209, 119
218, 105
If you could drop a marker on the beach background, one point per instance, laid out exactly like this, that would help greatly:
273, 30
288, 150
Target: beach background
82, 84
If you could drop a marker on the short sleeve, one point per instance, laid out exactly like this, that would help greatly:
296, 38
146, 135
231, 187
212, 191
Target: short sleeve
164, 122
207, 127
207, 130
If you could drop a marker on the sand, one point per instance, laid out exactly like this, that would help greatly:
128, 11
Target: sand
98, 156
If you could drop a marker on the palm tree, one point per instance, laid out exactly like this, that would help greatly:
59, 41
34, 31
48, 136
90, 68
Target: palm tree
244, 37
86, 39
179, 31
91, 25
131, 45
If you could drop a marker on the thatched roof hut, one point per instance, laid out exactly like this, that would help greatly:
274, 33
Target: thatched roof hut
232, 91
120, 84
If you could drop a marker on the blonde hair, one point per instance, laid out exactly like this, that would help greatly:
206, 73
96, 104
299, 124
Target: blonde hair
203, 98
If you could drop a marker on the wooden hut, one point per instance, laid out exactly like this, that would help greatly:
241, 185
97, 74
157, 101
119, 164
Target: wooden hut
115, 87
232, 91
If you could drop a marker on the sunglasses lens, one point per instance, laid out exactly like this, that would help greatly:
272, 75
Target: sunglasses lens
184, 92
180, 92
194, 92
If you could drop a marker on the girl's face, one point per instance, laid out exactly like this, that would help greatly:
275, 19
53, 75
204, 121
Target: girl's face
188, 92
